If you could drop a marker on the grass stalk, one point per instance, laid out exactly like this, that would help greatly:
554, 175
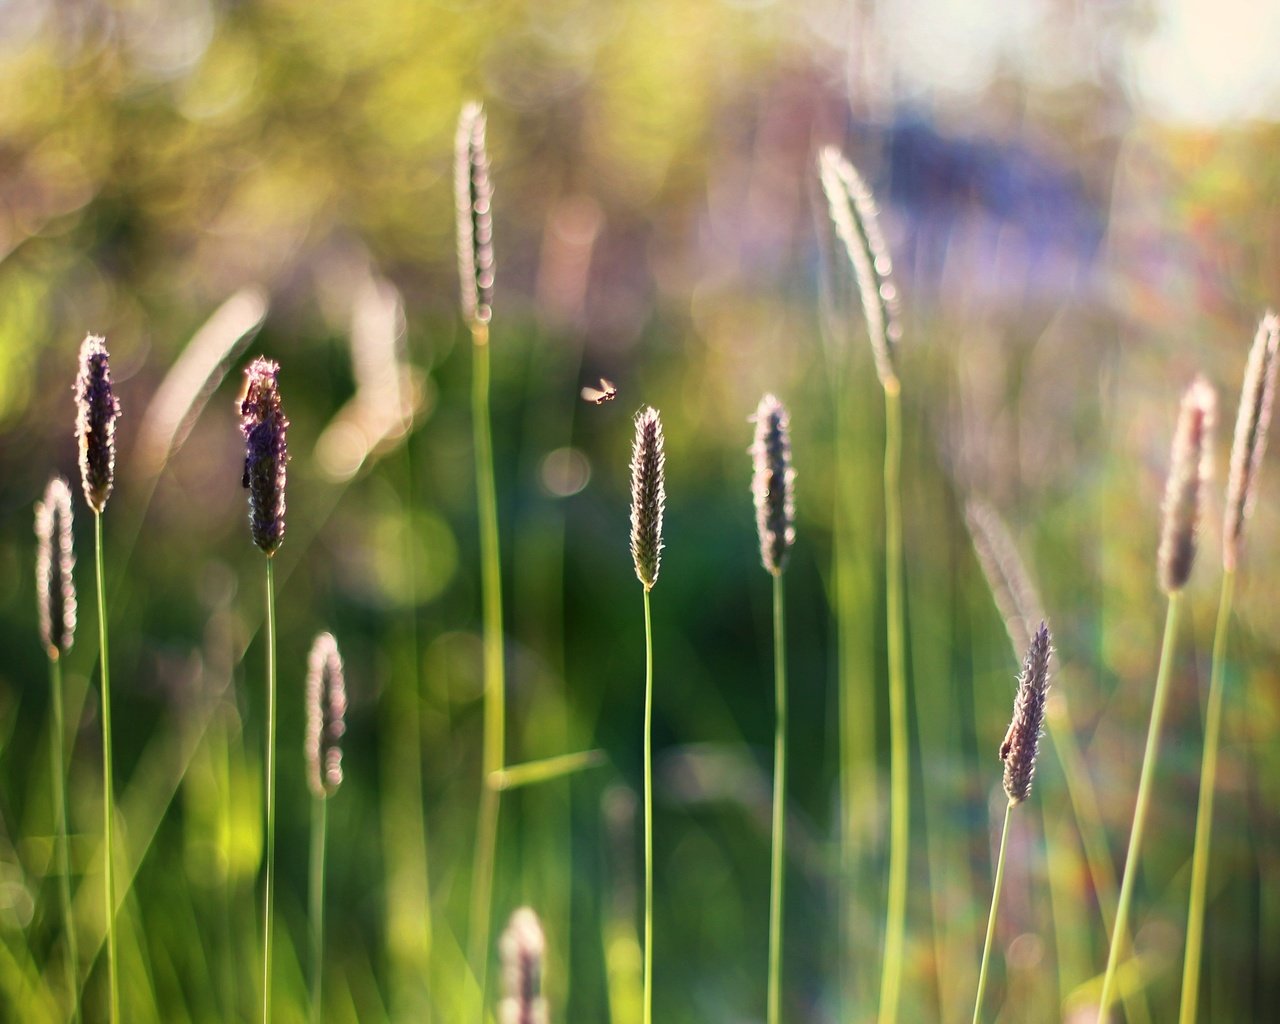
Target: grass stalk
899, 781
268, 907
319, 834
779, 803
991, 918
108, 785
61, 852
648, 812
1204, 811
494, 741
1121, 930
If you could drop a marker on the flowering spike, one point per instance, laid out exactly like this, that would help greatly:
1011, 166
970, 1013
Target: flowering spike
473, 196
55, 559
1256, 399
326, 716
97, 409
648, 496
1192, 464
264, 424
523, 952
773, 484
1022, 741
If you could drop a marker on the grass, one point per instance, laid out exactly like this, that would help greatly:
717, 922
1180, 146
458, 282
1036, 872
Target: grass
108, 779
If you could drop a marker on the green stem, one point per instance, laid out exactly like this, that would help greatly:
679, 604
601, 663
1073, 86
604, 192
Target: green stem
991, 918
319, 831
108, 785
648, 812
60, 834
268, 909
899, 767
1121, 930
779, 803
493, 755
1204, 812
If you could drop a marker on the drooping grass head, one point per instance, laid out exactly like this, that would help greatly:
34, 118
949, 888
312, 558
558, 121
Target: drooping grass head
326, 716
55, 560
97, 410
1022, 741
773, 484
648, 496
264, 425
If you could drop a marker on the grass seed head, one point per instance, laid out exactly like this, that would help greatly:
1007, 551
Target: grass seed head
1252, 422
55, 560
648, 496
773, 484
97, 409
326, 716
264, 426
1022, 741
473, 195
1191, 466
523, 952
857, 221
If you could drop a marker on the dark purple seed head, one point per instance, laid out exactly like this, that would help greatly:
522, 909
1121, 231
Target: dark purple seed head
1022, 741
97, 409
773, 484
648, 496
326, 716
264, 425
55, 560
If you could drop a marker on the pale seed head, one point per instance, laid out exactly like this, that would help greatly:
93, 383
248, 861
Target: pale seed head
1252, 423
326, 716
773, 484
523, 952
473, 196
648, 496
1191, 466
55, 560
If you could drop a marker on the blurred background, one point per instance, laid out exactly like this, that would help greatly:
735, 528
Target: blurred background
1081, 201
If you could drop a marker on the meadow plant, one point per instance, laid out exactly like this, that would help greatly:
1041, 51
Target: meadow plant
773, 489
1190, 467
1018, 752
97, 410
264, 426
56, 604
326, 707
523, 952
1252, 422
857, 221
648, 502
473, 196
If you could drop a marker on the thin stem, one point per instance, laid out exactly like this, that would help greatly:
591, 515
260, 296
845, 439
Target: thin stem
991, 919
1204, 812
60, 834
108, 785
493, 755
648, 812
1121, 930
268, 909
779, 803
319, 832
899, 766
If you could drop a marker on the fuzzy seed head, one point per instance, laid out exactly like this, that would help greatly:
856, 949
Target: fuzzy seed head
1022, 741
55, 560
326, 716
773, 483
1250, 444
648, 496
857, 222
473, 197
97, 410
264, 425
523, 952
1192, 465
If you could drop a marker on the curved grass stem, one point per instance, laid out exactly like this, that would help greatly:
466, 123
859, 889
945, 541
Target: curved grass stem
648, 812
268, 905
779, 803
991, 918
1121, 930
59, 765
493, 756
899, 763
1204, 811
108, 784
